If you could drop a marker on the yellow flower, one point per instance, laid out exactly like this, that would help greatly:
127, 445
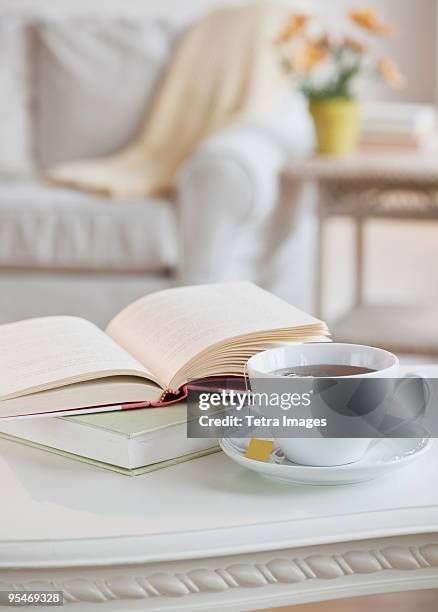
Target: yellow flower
368, 19
354, 44
308, 55
295, 25
390, 73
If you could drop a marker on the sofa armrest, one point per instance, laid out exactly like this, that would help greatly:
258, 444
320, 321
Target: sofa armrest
227, 191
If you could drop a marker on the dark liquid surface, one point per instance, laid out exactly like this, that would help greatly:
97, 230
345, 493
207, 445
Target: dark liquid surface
323, 370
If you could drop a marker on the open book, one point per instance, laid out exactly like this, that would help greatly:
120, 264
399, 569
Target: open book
148, 352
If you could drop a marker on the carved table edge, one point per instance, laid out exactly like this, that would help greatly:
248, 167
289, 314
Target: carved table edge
323, 564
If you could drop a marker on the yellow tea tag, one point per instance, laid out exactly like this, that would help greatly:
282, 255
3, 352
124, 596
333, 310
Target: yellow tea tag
260, 450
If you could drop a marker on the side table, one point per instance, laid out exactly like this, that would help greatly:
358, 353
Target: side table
383, 186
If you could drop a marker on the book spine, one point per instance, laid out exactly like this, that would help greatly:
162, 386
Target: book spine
168, 397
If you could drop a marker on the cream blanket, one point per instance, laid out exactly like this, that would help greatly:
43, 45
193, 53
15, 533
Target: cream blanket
223, 70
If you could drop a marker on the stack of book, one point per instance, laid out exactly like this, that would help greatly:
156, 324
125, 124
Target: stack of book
398, 125
116, 398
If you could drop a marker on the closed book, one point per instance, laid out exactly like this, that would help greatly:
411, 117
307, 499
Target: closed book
398, 119
381, 143
125, 441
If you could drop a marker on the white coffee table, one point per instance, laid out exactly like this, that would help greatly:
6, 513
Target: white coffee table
208, 535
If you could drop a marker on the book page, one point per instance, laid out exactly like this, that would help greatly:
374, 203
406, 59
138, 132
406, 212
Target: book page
165, 330
44, 353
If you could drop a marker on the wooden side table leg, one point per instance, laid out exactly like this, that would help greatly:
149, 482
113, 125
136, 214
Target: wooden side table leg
319, 275
359, 261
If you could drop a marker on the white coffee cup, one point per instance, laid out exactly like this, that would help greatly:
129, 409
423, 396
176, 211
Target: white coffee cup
322, 451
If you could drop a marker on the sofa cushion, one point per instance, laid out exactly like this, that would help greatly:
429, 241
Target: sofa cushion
94, 79
43, 227
96, 297
15, 137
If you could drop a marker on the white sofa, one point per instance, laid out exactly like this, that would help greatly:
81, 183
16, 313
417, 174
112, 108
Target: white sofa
79, 86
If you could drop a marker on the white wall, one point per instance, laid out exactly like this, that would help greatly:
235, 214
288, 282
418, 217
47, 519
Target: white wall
414, 48
152, 7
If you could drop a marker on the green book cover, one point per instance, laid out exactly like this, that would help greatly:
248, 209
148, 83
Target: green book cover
132, 423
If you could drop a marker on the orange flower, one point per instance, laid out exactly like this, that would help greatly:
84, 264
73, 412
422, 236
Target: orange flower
368, 19
354, 44
390, 73
324, 42
308, 55
295, 25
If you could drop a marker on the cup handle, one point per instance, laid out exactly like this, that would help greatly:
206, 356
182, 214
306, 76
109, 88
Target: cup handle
421, 409
426, 384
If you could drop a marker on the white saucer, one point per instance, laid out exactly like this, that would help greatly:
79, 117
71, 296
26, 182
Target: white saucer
382, 457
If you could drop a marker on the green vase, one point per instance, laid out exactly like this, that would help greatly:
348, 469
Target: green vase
337, 125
